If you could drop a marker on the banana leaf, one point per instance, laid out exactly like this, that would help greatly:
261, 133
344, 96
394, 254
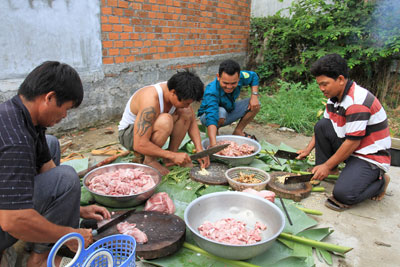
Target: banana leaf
77, 164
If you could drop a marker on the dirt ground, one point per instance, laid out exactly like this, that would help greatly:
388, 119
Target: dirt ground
371, 228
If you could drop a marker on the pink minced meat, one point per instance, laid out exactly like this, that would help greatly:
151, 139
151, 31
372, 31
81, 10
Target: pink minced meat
234, 149
127, 228
160, 202
122, 182
266, 194
231, 231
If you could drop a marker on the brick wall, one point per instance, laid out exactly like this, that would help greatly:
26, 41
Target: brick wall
137, 30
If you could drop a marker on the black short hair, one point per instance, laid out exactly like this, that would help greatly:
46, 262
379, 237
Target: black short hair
53, 76
229, 66
187, 85
332, 66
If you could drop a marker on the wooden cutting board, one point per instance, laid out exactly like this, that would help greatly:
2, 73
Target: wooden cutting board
215, 176
165, 233
291, 191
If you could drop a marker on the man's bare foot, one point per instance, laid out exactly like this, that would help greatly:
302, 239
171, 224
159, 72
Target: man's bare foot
381, 195
155, 164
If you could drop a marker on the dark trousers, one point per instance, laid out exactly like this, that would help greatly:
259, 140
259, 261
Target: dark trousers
359, 180
56, 197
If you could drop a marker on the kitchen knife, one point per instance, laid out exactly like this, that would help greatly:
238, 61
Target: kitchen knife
298, 178
286, 154
208, 152
113, 222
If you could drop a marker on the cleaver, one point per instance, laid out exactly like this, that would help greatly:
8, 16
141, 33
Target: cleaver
208, 152
283, 154
303, 178
113, 222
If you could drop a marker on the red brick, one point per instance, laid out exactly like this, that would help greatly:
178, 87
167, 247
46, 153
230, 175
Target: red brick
128, 43
106, 10
113, 19
125, 20
103, 19
123, 4
112, 2
108, 60
118, 11
138, 43
106, 28
125, 36
118, 44
124, 52
113, 52
117, 28
128, 29
107, 44
113, 36
147, 43
119, 59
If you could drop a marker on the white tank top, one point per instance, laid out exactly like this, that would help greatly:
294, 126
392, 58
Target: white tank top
129, 118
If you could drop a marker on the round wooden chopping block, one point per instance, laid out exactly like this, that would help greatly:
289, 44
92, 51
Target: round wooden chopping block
215, 176
165, 233
291, 191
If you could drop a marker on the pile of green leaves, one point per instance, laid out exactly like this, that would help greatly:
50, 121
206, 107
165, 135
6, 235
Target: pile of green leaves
366, 33
295, 106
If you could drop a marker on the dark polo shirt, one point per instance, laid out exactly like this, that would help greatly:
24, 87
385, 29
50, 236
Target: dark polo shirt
23, 151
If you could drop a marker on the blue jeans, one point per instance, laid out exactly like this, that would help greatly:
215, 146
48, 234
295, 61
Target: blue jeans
56, 197
241, 108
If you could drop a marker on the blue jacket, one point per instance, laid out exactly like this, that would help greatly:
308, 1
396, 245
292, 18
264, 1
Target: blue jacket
215, 97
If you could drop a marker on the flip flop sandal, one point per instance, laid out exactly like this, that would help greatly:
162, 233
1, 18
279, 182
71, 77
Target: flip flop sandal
335, 205
250, 136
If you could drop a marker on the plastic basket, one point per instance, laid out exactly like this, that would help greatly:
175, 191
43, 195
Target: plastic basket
115, 250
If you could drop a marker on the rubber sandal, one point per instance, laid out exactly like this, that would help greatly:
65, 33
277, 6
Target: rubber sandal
250, 136
335, 205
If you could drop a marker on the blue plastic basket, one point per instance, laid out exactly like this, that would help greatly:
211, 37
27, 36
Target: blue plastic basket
115, 250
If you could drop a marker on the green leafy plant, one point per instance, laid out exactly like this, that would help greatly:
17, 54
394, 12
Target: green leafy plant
366, 33
294, 106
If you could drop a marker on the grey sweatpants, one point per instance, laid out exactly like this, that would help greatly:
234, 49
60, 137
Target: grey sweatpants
359, 179
56, 196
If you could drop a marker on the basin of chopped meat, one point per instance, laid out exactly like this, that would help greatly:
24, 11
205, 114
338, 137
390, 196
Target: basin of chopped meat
123, 182
231, 231
234, 149
127, 228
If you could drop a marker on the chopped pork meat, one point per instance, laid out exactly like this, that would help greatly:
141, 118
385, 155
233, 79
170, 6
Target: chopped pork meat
122, 182
266, 194
127, 228
234, 149
160, 202
231, 231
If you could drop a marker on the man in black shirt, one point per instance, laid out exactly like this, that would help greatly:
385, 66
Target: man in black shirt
40, 201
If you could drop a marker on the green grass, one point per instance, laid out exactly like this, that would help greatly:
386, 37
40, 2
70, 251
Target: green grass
294, 106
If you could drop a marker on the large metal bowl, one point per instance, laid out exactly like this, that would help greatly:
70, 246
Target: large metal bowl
122, 201
240, 206
240, 140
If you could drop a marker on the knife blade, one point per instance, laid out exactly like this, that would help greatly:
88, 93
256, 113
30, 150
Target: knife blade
113, 222
286, 154
298, 179
208, 152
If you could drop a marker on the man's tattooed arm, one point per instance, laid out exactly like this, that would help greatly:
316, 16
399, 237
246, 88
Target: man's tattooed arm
146, 120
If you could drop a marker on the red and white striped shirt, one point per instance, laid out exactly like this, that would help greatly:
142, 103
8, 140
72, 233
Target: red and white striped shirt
360, 115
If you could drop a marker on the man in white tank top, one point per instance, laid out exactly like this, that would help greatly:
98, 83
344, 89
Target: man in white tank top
159, 111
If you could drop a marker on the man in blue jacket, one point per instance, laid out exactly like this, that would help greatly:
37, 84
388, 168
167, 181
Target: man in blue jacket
219, 106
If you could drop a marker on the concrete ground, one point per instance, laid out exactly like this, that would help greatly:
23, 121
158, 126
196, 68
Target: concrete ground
371, 228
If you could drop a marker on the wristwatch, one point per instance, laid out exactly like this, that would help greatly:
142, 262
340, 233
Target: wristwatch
254, 93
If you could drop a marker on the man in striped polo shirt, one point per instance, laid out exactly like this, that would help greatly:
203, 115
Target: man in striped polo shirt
40, 201
354, 130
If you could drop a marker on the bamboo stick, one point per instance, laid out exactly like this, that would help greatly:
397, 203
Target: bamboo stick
318, 189
229, 262
310, 211
316, 244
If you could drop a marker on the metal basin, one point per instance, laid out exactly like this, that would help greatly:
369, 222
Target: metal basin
240, 206
240, 140
123, 201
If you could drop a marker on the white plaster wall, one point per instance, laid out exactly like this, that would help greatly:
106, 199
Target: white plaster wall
265, 8
33, 31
